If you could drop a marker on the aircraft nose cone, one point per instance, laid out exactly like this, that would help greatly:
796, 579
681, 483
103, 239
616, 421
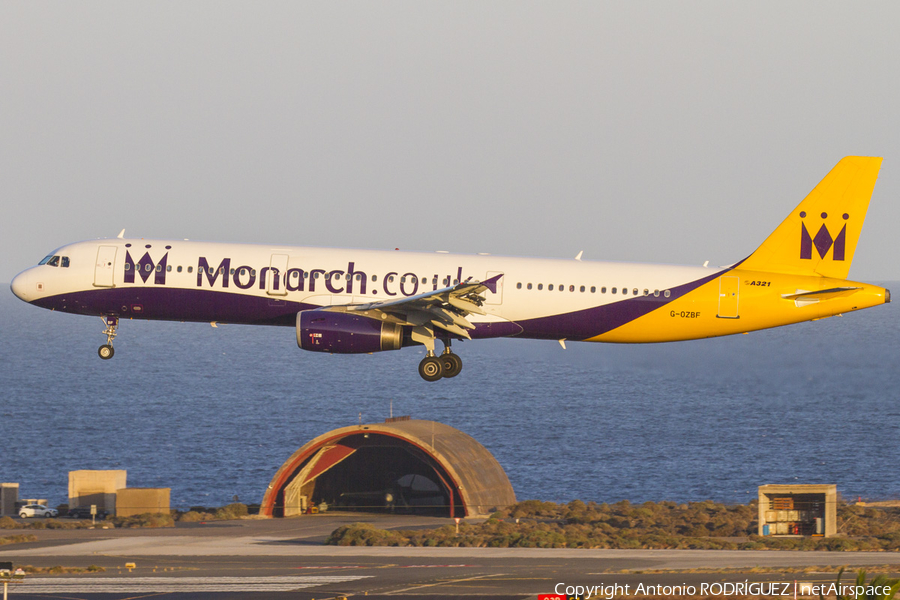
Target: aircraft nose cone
19, 286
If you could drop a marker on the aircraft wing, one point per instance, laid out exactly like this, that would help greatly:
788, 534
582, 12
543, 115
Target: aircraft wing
446, 308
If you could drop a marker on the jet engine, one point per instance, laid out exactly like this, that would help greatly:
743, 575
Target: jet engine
343, 333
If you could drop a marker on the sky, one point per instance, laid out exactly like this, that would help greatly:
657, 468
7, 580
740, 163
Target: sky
638, 131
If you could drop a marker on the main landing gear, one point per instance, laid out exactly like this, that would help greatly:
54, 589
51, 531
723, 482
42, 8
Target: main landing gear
106, 351
434, 367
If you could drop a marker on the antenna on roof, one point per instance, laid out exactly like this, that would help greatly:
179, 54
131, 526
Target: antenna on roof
121, 234
579, 255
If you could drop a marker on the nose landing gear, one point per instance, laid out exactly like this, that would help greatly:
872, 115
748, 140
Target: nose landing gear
106, 351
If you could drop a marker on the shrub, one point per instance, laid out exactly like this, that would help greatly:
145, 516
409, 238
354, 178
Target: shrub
17, 539
232, 511
8, 523
364, 534
144, 520
192, 516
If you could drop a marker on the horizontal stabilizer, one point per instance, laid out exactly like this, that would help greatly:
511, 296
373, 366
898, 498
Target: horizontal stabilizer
803, 297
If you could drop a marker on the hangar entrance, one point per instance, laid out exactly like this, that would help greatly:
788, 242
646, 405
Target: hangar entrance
403, 465
371, 473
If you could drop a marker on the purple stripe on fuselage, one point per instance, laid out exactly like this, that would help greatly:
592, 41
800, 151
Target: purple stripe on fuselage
591, 322
176, 304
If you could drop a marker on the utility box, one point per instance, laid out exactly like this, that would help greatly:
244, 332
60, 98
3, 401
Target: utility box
137, 501
798, 510
96, 487
9, 495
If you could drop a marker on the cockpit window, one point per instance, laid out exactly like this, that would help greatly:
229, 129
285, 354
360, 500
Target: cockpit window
54, 261
47, 259
65, 262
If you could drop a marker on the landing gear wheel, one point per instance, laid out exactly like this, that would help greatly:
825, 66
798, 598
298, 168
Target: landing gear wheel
106, 352
451, 365
430, 368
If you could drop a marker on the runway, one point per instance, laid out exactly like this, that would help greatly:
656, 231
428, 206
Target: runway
243, 559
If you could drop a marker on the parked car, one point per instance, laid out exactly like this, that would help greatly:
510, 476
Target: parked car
84, 512
37, 510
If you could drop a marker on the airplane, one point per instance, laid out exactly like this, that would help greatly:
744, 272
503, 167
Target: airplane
365, 301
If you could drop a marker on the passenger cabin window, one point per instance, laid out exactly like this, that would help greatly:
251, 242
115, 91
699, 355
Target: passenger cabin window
529, 286
614, 290
540, 286
178, 269
550, 287
519, 286
603, 290
190, 269
666, 293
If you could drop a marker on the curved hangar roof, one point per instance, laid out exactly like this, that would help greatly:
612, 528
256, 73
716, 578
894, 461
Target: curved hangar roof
400, 465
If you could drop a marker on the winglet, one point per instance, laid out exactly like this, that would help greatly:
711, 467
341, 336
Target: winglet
491, 283
121, 234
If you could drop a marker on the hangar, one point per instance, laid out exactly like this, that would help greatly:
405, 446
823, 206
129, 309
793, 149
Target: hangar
402, 465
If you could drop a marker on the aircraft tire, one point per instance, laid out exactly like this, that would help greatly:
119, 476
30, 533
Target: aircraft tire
106, 352
430, 368
451, 365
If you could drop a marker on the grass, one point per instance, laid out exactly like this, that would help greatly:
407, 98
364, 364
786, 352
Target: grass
657, 525
17, 539
226, 513
199, 513
59, 570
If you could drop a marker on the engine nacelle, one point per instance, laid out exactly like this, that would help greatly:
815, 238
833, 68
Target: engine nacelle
342, 333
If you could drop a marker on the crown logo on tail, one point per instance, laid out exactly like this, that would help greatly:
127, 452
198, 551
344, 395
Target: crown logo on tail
823, 241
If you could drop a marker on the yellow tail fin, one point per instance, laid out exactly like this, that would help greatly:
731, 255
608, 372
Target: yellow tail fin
819, 237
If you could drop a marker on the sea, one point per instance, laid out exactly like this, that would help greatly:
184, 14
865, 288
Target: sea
213, 412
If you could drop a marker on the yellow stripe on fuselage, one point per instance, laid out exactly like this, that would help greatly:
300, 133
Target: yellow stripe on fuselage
711, 310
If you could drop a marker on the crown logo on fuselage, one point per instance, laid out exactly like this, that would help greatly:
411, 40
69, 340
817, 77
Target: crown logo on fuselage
146, 267
823, 241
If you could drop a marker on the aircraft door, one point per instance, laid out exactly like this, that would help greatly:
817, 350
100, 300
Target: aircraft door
104, 268
275, 276
490, 297
729, 288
